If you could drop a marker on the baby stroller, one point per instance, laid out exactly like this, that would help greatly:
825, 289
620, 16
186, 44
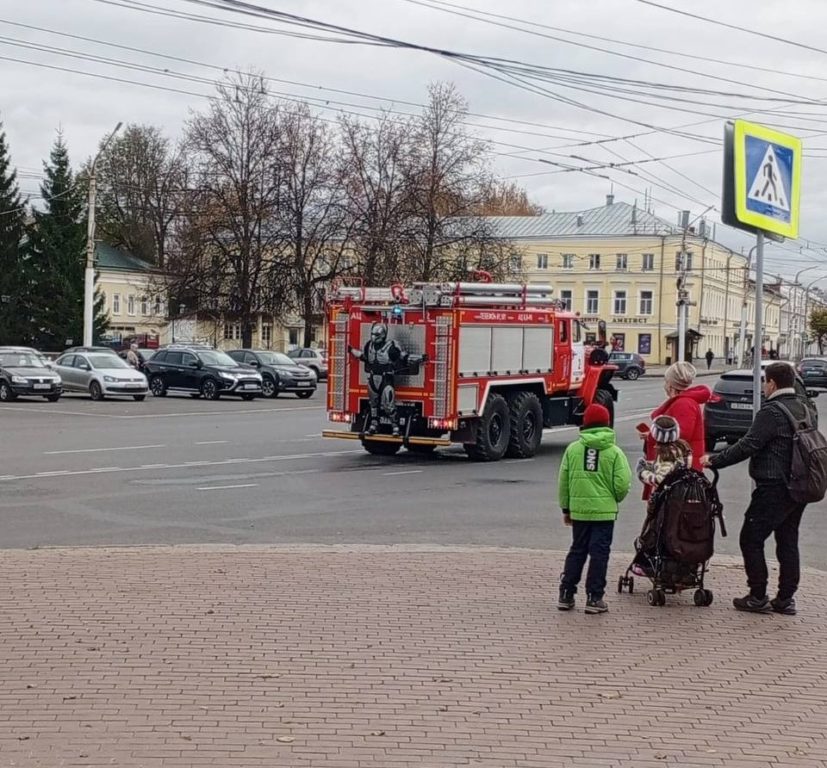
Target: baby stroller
678, 537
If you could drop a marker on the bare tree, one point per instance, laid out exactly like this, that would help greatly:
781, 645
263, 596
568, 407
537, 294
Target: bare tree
314, 218
375, 158
446, 181
140, 177
228, 261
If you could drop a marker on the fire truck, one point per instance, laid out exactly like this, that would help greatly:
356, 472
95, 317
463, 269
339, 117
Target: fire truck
489, 365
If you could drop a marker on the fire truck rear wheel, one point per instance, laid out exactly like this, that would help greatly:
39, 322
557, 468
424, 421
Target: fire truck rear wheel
380, 448
602, 397
492, 433
526, 425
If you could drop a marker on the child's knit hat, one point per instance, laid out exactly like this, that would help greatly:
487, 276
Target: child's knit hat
665, 430
596, 415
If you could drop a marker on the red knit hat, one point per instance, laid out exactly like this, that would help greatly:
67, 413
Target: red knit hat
596, 416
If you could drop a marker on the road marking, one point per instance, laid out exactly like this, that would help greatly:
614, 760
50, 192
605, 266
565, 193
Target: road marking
226, 487
212, 442
404, 472
95, 450
220, 463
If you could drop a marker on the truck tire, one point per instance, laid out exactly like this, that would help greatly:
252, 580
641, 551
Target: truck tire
493, 431
602, 397
380, 447
526, 416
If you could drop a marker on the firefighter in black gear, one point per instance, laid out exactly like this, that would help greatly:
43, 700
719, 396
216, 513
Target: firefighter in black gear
384, 360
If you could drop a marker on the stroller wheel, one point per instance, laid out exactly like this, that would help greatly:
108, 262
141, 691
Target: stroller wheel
656, 597
620, 584
699, 597
630, 582
708, 595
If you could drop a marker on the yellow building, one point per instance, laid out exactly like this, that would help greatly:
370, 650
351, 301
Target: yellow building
134, 299
621, 264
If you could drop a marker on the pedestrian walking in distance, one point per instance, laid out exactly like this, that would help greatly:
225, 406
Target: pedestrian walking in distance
769, 447
710, 356
594, 478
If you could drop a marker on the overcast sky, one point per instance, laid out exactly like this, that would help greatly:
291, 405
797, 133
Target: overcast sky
35, 101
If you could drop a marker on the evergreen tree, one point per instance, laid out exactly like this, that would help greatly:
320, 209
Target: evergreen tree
12, 214
57, 256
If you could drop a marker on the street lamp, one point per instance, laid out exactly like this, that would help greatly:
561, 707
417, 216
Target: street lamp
89, 274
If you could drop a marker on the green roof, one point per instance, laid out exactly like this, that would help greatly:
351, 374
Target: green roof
117, 259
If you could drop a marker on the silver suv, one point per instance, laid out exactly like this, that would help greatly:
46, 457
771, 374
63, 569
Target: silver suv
314, 359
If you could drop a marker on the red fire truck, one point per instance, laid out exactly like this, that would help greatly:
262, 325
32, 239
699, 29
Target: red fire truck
487, 365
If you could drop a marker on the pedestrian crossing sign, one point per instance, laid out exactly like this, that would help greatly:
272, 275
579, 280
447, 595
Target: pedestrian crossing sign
767, 178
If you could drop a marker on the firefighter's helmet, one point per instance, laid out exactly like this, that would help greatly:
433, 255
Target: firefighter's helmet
378, 334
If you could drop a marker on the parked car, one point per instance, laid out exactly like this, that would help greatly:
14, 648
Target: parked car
101, 375
314, 359
629, 365
30, 351
278, 372
102, 350
24, 373
728, 414
813, 372
201, 372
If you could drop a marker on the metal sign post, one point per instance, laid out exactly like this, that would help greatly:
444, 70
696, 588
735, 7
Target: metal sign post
761, 194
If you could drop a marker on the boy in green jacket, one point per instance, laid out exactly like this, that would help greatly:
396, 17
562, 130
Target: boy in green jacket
594, 478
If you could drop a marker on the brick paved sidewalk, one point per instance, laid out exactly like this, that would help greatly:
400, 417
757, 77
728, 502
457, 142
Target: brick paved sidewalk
391, 657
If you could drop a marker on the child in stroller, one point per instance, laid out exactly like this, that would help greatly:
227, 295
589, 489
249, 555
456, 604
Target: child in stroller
677, 539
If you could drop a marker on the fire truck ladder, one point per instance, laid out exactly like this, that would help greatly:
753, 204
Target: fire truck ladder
499, 295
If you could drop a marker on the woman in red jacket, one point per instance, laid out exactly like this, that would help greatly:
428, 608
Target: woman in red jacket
684, 403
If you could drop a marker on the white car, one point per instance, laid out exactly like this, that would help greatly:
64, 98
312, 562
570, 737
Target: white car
101, 375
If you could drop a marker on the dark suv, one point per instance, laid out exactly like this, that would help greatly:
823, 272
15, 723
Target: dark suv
200, 372
728, 414
813, 372
629, 365
278, 372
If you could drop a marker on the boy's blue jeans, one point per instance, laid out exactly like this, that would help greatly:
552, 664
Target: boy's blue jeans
592, 540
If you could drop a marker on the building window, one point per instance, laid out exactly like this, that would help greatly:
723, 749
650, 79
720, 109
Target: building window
622, 263
130, 305
565, 300
232, 331
647, 262
592, 302
644, 344
594, 261
116, 303
144, 306
688, 266
542, 261
266, 334
158, 305
646, 302
568, 261
620, 303
516, 264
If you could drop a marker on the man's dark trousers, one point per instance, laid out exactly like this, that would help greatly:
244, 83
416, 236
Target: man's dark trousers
771, 510
592, 540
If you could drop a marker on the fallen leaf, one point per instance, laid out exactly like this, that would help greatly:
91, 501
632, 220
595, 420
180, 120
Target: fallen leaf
187, 738
269, 677
660, 756
69, 698
610, 695
285, 739
29, 685
442, 709
23, 738
377, 733
210, 612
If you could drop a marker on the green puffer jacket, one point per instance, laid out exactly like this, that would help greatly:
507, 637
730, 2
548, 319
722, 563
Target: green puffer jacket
594, 476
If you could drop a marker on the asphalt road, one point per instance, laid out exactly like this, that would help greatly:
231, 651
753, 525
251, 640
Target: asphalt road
178, 470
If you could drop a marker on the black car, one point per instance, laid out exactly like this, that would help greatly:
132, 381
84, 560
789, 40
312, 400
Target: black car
200, 372
728, 414
278, 372
629, 365
24, 373
813, 372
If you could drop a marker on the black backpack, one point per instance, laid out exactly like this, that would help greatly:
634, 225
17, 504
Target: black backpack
808, 472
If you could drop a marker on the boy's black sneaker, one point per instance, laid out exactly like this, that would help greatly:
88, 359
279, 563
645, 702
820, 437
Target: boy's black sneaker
596, 606
785, 607
752, 604
565, 602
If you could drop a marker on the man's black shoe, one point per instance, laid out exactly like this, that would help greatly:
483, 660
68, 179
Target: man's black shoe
785, 607
566, 600
752, 604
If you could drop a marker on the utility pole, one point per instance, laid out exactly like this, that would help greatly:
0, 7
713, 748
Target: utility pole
757, 338
742, 337
89, 274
